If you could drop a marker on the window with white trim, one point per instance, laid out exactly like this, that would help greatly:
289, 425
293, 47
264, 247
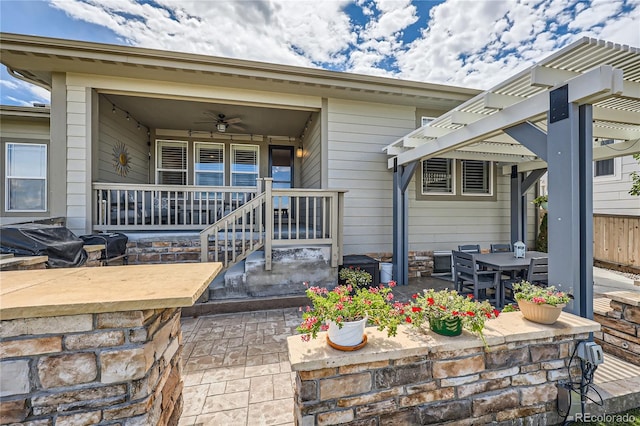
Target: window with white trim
244, 164
171, 162
604, 167
208, 164
438, 176
426, 120
26, 177
476, 177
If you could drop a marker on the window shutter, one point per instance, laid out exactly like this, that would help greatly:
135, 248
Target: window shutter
475, 177
605, 167
437, 176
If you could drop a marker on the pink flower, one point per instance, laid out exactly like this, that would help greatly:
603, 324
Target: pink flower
539, 300
392, 284
390, 296
324, 327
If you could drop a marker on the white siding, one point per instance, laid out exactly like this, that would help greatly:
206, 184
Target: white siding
611, 194
311, 164
114, 128
357, 133
78, 158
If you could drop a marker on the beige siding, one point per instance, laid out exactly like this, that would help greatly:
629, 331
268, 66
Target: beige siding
357, 133
611, 194
114, 129
20, 130
443, 225
311, 161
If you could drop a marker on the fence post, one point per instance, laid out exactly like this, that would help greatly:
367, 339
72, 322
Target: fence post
268, 220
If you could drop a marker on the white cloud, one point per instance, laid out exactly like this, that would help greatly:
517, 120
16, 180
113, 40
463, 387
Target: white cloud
28, 93
461, 42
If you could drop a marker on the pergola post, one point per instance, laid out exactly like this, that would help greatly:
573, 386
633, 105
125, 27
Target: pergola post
570, 211
401, 178
518, 228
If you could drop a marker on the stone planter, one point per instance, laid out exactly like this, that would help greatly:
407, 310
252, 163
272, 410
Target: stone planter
446, 326
351, 336
542, 314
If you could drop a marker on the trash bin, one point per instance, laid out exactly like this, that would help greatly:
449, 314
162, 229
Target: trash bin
386, 272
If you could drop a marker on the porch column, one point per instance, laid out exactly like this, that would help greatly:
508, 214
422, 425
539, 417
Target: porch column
401, 177
570, 200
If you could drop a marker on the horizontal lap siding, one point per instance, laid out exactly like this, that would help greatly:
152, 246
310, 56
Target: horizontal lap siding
113, 129
443, 225
611, 196
357, 133
312, 148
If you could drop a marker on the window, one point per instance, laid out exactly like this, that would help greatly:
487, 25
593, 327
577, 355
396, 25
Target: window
476, 177
426, 120
244, 165
26, 182
171, 162
451, 179
209, 163
604, 167
438, 176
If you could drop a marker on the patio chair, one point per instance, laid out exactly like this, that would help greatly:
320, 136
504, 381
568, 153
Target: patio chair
501, 247
469, 248
468, 277
538, 274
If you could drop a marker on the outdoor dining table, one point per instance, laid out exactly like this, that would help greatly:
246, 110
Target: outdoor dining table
507, 262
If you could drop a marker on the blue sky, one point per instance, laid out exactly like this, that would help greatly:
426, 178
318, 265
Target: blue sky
459, 42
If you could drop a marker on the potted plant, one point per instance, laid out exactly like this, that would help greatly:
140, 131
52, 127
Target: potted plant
344, 311
448, 312
540, 304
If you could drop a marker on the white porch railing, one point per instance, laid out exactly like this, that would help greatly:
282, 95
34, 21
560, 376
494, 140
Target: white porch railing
297, 217
121, 207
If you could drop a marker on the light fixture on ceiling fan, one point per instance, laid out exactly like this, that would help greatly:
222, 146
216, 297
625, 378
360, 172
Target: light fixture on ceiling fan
221, 121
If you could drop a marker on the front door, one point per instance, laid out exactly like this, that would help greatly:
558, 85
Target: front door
281, 170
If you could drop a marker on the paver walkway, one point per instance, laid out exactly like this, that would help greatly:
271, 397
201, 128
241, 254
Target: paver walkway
236, 369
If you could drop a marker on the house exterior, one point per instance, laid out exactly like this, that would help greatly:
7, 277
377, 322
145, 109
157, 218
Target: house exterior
139, 118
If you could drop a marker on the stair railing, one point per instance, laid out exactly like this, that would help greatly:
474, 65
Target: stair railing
277, 218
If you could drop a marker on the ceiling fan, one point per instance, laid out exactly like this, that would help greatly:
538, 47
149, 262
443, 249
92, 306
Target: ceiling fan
221, 121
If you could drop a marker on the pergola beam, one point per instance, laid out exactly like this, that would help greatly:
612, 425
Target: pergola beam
594, 85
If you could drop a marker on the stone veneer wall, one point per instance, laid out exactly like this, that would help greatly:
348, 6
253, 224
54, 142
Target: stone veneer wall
420, 262
158, 249
620, 333
463, 387
119, 368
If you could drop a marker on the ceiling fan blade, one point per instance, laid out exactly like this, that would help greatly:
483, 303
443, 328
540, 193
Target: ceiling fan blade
233, 120
205, 122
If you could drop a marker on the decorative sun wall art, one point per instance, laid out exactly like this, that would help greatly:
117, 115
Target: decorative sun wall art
121, 162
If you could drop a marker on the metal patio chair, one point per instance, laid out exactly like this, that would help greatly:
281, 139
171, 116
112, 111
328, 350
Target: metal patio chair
501, 247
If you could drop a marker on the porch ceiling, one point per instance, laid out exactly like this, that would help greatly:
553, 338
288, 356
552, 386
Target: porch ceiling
608, 74
200, 116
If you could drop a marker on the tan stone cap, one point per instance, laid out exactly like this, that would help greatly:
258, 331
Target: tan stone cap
71, 291
90, 248
9, 261
629, 297
508, 327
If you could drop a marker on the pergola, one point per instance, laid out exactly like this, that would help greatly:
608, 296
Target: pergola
542, 119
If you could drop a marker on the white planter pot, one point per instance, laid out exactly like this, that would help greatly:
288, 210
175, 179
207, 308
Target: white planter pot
349, 335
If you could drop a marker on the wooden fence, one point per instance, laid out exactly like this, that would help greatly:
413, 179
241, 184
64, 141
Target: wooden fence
616, 241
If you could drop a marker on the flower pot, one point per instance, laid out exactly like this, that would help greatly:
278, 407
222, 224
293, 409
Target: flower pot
446, 326
349, 336
542, 314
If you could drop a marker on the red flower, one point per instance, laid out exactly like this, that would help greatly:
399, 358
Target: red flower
496, 312
470, 296
416, 309
414, 296
430, 301
471, 314
408, 319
